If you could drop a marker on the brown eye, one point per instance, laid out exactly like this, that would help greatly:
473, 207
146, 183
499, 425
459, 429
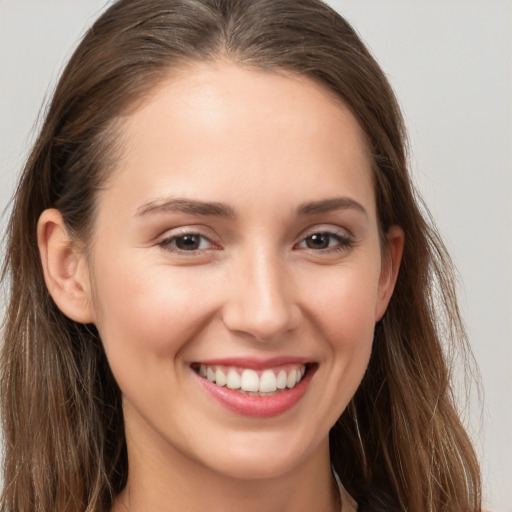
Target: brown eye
188, 242
319, 241
326, 242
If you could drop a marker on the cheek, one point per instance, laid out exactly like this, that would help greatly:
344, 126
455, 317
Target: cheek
350, 331
146, 313
345, 304
344, 312
344, 320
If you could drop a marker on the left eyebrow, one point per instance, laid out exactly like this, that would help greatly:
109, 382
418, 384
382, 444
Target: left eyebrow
327, 205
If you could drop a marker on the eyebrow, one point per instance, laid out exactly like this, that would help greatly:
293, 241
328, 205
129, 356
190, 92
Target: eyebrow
197, 207
193, 207
327, 205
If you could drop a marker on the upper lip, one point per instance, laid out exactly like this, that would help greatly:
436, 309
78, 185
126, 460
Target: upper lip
255, 363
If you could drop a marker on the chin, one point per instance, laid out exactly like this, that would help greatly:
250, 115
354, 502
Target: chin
259, 459
256, 468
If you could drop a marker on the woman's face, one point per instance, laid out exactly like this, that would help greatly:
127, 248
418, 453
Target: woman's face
236, 250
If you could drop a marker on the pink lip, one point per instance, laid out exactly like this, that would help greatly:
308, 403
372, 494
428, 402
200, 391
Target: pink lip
257, 406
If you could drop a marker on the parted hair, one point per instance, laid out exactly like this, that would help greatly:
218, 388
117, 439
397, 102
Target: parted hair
399, 445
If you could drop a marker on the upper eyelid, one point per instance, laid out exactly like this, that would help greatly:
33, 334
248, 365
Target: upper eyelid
168, 244
169, 237
191, 229
326, 228
344, 239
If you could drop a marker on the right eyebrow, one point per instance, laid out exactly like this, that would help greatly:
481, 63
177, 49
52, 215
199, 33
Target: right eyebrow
191, 206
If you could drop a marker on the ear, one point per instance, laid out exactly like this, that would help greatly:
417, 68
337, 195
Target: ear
389, 270
65, 268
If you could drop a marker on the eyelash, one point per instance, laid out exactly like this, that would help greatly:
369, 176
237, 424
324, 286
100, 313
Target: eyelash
169, 244
342, 242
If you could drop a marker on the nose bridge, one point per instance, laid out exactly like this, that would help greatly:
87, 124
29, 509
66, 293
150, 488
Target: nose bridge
261, 303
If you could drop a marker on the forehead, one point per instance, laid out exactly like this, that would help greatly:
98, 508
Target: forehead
220, 126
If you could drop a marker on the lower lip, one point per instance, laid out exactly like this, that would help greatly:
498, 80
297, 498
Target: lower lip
258, 406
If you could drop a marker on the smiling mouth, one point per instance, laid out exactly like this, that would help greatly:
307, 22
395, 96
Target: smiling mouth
252, 382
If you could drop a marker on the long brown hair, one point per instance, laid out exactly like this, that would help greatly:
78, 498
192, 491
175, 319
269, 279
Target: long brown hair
399, 444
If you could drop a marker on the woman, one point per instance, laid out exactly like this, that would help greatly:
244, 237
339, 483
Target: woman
236, 302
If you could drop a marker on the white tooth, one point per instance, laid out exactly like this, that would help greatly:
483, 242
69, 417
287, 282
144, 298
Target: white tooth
302, 371
233, 379
249, 381
268, 381
210, 374
281, 380
220, 377
292, 379
202, 370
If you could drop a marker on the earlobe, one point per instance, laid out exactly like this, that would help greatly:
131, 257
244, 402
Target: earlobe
390, 267
65, 268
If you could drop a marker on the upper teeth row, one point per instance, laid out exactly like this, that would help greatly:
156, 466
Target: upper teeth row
249, 380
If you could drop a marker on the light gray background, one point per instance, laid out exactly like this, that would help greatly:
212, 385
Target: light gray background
450, 63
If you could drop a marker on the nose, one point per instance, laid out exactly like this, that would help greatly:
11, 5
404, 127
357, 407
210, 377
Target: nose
261, 301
